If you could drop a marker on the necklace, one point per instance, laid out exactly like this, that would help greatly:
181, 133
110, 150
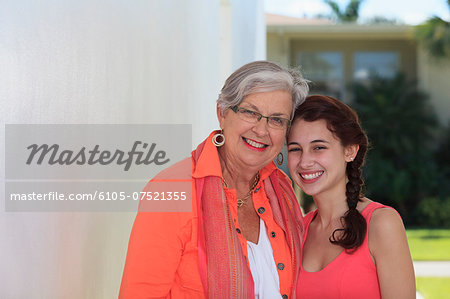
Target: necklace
243, 200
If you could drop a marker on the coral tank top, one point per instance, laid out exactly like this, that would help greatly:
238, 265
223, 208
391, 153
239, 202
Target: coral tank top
347, 276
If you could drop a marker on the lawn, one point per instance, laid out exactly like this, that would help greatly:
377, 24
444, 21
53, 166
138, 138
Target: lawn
429, 244
433, 287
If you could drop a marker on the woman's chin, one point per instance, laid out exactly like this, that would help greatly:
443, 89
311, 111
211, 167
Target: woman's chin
306, 190
255, 161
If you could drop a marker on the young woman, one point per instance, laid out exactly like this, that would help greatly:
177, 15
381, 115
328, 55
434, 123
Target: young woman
353, 247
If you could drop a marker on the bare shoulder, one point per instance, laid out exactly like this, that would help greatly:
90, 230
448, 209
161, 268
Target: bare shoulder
389, 249
385, 220
385, 229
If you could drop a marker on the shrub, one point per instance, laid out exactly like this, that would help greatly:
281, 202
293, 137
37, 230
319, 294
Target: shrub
401, 125
434, 213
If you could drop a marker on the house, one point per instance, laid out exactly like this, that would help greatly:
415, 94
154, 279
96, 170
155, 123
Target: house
333, 55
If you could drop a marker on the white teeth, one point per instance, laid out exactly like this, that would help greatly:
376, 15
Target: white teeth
255, 144
312, 175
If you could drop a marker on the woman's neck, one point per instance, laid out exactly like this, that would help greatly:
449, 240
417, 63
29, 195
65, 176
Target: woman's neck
331, 207
236, 177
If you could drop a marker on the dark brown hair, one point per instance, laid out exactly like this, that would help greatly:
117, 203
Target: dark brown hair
343, 122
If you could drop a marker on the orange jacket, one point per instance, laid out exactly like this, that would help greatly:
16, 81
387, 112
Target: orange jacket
162, 257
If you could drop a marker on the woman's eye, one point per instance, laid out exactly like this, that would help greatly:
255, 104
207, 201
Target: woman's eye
248, 112
276, 120
294, 149
319, 148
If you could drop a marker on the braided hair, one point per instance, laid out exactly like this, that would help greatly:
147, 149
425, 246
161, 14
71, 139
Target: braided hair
343, 122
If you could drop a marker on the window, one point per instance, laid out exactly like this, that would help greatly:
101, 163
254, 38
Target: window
325, 70
384, 64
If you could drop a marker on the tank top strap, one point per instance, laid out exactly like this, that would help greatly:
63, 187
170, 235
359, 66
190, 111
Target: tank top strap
368, 210
367, 214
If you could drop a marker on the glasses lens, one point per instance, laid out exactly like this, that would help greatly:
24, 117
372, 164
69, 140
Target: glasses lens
248, 115
277, 122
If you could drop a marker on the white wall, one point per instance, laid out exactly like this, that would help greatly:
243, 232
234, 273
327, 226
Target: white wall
249, 33
100, 61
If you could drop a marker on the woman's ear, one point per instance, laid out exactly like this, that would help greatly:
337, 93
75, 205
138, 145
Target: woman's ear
350, 152
220, 116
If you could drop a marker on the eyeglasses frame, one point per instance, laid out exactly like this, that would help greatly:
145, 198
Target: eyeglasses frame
236, 109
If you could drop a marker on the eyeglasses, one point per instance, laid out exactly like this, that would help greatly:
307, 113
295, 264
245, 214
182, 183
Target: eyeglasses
274, 122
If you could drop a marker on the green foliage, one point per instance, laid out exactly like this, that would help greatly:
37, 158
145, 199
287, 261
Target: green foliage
351, 12
435, 35
442, 157
434, 212
307, 203
400, 124
443, 153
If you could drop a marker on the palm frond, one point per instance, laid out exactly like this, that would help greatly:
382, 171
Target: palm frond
349, 14
435, 35
335, 8
352, 10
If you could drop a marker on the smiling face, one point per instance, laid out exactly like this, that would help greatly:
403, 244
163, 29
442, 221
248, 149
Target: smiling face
251, 146
317, 160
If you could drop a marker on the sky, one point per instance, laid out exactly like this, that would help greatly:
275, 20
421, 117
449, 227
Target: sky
410, 12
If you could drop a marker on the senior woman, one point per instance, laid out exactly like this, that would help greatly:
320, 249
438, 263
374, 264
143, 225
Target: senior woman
243, 236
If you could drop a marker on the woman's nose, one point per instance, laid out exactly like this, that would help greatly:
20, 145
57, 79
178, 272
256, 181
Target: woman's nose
260, 127
306, 161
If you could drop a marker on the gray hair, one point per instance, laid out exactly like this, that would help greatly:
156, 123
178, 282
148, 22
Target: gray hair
262, 76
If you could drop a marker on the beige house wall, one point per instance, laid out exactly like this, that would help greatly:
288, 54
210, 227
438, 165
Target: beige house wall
278, 48
434, 77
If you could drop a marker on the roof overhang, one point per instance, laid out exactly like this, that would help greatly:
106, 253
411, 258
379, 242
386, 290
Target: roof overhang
342, 31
